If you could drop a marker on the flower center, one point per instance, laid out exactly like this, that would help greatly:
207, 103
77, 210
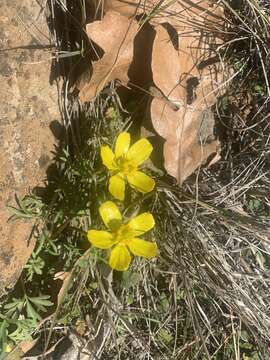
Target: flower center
123, 235
125, 166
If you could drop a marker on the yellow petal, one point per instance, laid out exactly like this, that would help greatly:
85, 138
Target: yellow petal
100, 239
117, 187
110, 215
141, 224
140, 151
122, 144
120, 258
8, 348
140, 181
108, 157
143, 248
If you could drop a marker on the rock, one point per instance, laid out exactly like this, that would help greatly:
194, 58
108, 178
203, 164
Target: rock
28, 105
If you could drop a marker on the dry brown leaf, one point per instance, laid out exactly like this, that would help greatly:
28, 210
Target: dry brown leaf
188, 130
186, 79
22, 348
27, 345
196, 13
114, 34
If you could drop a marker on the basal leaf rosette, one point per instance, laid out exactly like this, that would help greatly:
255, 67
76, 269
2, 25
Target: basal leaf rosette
123, 238
124, 165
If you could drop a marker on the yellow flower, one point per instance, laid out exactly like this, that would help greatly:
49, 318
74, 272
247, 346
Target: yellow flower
123, 238
124, 164
8, 348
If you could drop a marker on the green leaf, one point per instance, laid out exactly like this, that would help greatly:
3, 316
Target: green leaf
41, 300
130, 299
165, 335
20, 203
19, 213
130, 279
31, 312
164, 302
23, 331
14, 304
254, 204
3, 331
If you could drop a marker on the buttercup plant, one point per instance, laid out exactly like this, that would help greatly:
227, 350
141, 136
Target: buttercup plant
124, 164
122, 238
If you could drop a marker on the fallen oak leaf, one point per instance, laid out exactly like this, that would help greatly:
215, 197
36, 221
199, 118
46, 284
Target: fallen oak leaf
184, 155
196, 13
114, 34
188, 130
187, 110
